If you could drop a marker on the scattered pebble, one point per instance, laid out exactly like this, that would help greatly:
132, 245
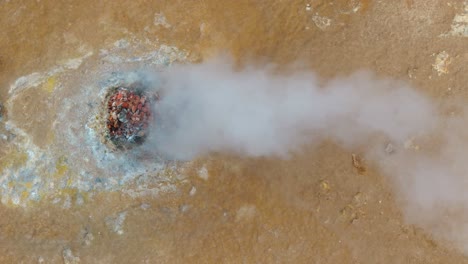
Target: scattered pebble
321, 22
68, 257
409, 144
184, 208
412, 73
389, 149
193, 191
360, 199
442, 63
349, 214
358, 163
325, 186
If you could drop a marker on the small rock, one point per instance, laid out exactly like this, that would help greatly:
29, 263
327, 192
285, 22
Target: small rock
358, 163
360, 199
348, 213
442, 63
321, 22
325, 186
68, 257
193, 191
412, 72
389, 149
184, 208
409, 144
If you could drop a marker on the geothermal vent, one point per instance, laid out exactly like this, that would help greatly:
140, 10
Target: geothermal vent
130, 116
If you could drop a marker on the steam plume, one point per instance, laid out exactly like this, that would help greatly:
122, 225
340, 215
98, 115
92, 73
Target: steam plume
210, 107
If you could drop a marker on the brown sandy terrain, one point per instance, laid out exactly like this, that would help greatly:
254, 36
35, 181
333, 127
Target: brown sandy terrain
313, 208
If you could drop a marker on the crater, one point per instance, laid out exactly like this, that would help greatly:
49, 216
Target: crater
129, 114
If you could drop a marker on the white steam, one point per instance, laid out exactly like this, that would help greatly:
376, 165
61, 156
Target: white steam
210, 107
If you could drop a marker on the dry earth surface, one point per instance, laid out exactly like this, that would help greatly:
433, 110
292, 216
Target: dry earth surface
313, 208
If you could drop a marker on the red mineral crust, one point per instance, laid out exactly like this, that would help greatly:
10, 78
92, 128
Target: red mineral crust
129, 116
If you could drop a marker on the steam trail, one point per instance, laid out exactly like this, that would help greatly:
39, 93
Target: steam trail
210, 107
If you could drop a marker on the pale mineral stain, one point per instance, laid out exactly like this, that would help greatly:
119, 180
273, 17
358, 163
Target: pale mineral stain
203, 173
116, 223
246, 212
321, 22
96, 168
36, 79
160, 20
459, 26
